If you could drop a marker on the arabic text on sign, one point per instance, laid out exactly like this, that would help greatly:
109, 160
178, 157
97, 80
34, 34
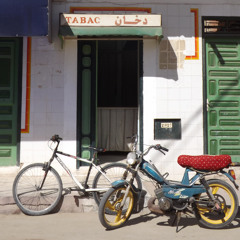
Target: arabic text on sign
110, 20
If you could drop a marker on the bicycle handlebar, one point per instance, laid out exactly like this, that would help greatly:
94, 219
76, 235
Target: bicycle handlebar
156, 147
56, 138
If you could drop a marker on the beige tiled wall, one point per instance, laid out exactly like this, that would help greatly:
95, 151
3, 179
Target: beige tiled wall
171, 55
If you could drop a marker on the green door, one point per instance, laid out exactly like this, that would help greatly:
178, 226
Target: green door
223, 96
9, 99
86, 97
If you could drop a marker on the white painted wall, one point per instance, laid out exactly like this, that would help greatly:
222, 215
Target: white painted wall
167, 98
175, 93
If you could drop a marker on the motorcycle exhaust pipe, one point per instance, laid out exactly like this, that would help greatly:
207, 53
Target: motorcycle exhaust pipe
153, 207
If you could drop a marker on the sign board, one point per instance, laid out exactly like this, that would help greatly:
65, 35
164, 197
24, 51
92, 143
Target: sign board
167, 128
107, 20
24, 18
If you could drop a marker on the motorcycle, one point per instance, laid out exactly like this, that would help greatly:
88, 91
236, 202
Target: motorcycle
213, 201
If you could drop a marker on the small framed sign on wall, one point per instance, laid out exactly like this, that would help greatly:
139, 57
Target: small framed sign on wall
167, 129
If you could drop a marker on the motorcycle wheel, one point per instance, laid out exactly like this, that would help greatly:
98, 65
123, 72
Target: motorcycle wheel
223, 212
111, 215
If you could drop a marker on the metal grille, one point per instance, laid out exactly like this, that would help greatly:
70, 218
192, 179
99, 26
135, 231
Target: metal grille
220, 25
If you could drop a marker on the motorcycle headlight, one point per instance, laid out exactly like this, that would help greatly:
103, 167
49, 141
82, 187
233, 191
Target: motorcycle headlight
131, 158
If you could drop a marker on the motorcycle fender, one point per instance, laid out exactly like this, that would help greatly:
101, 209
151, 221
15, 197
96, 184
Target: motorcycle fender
120, 183
230, 178
124, 183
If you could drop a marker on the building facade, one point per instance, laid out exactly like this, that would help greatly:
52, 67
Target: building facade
175, 83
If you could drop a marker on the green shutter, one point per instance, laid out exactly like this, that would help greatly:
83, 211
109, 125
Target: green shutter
9, 54
223, 84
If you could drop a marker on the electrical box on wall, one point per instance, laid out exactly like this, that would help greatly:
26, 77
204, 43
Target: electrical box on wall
167, 129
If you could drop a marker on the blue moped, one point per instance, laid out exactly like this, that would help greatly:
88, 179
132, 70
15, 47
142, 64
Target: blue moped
213, 201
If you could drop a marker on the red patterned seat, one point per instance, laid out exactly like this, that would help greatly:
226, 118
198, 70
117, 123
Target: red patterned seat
205, 162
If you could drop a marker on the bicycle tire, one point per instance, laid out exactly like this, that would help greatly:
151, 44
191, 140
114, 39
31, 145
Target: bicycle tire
115, 172
31, 200
111, 202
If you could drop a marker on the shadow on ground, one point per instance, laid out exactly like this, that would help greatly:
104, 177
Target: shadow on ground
185, 221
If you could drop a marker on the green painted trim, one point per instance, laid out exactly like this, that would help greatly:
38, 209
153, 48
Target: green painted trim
86, 103
61, 40
96, 90
11, 107
109, 31
205, 121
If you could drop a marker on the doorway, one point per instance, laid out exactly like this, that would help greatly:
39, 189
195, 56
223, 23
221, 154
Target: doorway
222, 51
108, 102
117, 93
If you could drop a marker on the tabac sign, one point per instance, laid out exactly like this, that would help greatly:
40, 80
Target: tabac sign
107, 20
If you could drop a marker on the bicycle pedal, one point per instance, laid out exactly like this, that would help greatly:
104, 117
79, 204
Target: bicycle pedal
67, 191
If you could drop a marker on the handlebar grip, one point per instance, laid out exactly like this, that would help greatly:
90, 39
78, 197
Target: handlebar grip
55, 138
165, 149
159, 148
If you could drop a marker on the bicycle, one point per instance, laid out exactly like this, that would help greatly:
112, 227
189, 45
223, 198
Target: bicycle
37, 188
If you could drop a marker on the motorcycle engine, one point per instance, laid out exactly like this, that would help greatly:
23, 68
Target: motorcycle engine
165, 204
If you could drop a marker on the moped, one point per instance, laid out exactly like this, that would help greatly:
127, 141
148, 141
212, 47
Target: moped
213, 202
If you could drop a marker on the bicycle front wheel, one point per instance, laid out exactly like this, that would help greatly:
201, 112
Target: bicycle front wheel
113, 171
36, 191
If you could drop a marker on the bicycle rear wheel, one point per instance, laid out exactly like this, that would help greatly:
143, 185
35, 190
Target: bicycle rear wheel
28, 194
114, 171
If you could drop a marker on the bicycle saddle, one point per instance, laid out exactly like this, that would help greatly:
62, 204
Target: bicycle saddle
205, 162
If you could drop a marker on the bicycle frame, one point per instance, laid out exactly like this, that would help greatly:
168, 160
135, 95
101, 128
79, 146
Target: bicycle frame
92, 164
89, 170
